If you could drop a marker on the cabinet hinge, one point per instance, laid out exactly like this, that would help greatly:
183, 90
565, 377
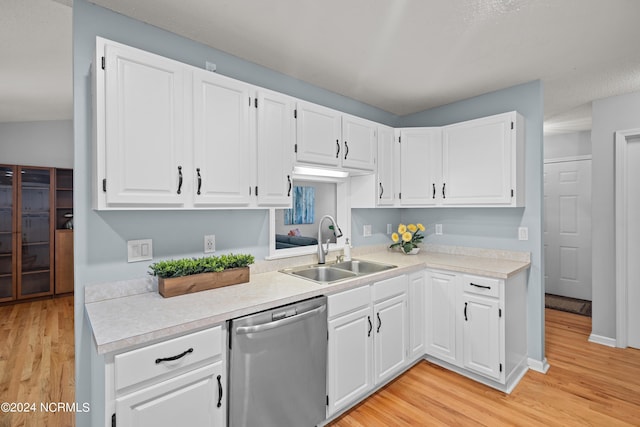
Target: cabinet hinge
499, 312
113, 420
249, 101
511, 125
295, 114
104, 65
501, 367
255, 101
249, 190
295, 148
327, 400
512, 192
104, 185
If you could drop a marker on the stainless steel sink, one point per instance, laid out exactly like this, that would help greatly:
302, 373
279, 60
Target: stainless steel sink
362, 267
329, 273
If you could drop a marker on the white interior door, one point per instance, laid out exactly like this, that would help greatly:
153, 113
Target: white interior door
628, 238
567, 228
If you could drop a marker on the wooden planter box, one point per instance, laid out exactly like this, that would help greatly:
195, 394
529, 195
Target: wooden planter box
174, 286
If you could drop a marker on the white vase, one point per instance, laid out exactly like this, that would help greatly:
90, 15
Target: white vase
413, 251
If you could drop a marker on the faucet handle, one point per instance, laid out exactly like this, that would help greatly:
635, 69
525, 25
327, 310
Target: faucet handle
340, 258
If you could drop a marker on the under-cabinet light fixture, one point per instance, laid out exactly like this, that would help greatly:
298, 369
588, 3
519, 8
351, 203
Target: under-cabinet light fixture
305, 170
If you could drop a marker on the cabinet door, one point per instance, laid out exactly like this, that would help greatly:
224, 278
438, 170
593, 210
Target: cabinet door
481, 332
358, 143
221, 173
416, 314
196, 398
420, 166
477, 161
350, 373
386, 157
8, 232
144, 132
275, 134
35, 231
318, 131
391, 347
440, 311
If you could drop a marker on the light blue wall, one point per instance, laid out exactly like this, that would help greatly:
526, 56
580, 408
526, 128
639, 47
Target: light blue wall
100, 237
498, 227
43, 143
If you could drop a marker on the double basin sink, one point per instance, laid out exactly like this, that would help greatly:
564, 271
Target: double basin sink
329, 273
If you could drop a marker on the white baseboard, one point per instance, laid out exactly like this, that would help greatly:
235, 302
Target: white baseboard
599, 339
541, 366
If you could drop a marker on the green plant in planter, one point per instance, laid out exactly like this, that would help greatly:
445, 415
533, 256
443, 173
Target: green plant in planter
190, 266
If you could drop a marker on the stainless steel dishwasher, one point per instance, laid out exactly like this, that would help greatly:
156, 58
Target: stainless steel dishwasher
277, 369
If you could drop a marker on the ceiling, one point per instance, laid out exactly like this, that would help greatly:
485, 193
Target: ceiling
402, 56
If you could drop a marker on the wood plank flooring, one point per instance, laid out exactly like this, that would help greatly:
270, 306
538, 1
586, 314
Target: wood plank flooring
587, 385
37, 361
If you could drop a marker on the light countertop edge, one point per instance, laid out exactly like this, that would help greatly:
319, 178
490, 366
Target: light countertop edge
144, 318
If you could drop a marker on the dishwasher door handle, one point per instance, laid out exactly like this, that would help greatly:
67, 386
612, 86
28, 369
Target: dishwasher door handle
278, 323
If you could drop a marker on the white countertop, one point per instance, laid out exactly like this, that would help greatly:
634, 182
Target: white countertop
121, 322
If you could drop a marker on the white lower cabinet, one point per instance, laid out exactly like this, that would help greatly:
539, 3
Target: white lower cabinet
417, 315
368, 339
477, 326
182, 381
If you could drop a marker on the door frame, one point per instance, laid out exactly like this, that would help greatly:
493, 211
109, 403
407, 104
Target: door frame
621, 185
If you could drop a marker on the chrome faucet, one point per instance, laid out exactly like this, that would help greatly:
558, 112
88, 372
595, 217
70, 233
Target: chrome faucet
323, 251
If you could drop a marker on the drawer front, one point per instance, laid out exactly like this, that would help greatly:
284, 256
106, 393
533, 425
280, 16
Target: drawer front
390, 287
481, 285
347, 301
147, 362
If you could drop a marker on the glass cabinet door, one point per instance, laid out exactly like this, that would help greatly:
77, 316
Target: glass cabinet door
36, 243
7, 233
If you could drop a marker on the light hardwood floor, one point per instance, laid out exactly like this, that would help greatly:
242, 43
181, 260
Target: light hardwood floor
587, 385
37, 362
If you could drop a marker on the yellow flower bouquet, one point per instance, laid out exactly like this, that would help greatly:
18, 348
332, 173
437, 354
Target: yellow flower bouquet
407, 237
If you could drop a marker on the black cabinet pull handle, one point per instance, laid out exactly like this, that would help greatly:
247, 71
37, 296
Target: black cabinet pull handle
338, 149
290, 185
379, 323
179, 179
381, 191
480, 286
219, 391
179, 356
434, 190
346, 150
370, 326
199, 180
465, 312
443, 193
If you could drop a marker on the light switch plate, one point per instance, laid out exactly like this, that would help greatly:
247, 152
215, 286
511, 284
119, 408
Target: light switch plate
366, 230
139, 250
439, 229
389, 230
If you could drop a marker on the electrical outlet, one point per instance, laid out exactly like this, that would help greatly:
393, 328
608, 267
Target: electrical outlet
366, 230
389, 230
439, 229
523, 233
209, 243
139, 250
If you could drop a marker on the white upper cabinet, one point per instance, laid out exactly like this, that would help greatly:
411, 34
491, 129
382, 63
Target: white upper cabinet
358, 143
420, 165
275, 133
326, 137
220, 140
386, 158
483, 161
141, 132
318, 131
